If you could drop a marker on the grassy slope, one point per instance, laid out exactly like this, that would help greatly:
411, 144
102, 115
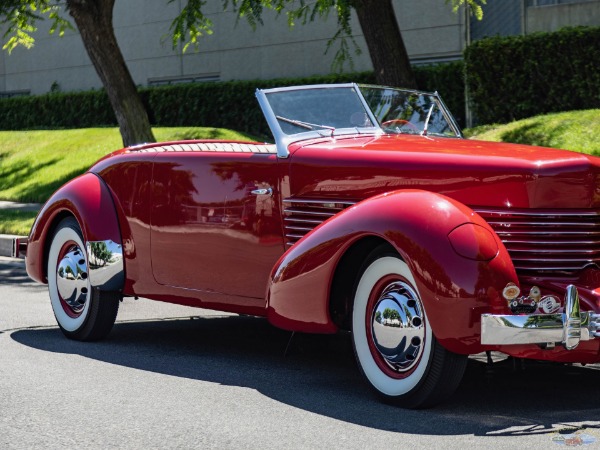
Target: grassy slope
574, 130
33, 164
16, 222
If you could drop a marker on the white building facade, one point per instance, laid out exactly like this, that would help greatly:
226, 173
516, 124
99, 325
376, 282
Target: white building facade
431, 31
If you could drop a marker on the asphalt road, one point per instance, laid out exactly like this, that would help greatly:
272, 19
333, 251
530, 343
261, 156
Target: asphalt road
177, 377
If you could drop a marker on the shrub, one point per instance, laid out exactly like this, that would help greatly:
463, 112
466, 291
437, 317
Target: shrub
229, 104
448, 80
510, 78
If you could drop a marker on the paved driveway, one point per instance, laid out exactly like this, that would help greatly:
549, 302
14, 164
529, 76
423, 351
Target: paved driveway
177, 377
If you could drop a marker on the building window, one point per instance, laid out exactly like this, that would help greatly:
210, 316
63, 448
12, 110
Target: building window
9, 94
203, 78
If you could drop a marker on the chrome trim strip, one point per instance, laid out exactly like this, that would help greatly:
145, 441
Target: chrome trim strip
299, 220
319, 202
551, 260
568, 328
555, 250
309, 213
106, 268
547, 268
296, 228
294, 236
533, 213
547, 232
572, 325
19, 247
283, 141
556, 243
542, 224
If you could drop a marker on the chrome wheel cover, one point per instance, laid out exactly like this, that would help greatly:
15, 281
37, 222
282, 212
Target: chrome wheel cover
71, 278
397, 327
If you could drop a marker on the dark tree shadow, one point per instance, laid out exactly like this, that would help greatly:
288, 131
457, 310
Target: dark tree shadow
14, 272
534, 134
319, 375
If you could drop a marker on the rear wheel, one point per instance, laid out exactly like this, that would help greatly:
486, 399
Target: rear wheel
393, 341
82, 313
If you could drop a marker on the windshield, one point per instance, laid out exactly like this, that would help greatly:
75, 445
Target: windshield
399, 111
298, 111
307, 112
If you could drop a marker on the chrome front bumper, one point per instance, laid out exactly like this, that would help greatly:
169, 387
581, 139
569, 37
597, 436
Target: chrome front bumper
567, 328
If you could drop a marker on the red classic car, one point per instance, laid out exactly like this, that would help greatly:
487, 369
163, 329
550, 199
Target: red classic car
369, 213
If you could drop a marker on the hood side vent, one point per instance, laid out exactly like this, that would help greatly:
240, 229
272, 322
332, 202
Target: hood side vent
303, 215
547, 241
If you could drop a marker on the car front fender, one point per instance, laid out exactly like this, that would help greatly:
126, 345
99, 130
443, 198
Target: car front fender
456, 279
88, 199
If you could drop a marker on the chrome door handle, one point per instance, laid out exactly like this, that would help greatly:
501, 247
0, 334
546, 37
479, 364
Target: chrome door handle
268, 191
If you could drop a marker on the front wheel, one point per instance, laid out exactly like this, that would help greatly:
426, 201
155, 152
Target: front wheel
82, 313
393, 341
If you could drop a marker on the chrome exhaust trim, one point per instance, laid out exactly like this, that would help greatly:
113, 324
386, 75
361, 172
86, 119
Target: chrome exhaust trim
567, 328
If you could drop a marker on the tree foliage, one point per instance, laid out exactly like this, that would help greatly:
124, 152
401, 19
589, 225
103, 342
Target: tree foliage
94, 20
192, 24
20, 18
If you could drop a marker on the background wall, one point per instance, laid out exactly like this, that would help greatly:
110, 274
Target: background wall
234, 52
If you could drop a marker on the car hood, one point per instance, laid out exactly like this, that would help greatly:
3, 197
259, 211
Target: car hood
476, 173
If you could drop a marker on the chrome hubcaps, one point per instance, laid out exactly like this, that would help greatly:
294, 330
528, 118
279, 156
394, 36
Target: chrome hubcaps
71, 279
398, 327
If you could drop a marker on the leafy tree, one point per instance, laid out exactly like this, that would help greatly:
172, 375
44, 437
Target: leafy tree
94, 22
378, 316
387, 313
101, 255
377, 20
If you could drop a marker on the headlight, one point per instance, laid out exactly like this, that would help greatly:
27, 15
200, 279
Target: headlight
473, 241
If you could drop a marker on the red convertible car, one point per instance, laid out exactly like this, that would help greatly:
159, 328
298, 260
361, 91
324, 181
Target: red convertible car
369, 213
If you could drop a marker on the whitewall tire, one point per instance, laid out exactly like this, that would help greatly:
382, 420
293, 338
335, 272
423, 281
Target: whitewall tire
394, 345
82, 313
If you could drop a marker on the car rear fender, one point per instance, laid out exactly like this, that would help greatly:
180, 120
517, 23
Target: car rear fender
88, 199
456, 289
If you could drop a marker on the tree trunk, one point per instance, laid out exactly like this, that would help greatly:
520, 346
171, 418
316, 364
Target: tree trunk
94, 21
384, 40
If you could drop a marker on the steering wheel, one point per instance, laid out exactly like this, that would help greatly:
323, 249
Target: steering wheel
399, 123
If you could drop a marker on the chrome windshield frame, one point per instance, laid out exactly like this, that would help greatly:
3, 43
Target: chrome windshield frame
283, 140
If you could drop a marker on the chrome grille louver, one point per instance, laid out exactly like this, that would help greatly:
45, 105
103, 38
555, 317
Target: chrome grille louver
547, 241
303, 215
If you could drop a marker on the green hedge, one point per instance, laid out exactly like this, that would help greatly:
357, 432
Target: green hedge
511, 78
448, 80
229, 104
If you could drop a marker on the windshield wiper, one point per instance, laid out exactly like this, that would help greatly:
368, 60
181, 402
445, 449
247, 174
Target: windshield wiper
307, 125
424, 132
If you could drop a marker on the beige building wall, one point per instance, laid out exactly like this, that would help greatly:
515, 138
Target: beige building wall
233, 52
555, 17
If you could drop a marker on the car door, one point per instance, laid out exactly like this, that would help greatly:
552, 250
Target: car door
216, 223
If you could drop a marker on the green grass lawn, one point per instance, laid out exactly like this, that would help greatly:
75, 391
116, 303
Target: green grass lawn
33, 164
573, 130
16, 222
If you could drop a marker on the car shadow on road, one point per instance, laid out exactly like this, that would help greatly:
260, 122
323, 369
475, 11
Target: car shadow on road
318, 374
